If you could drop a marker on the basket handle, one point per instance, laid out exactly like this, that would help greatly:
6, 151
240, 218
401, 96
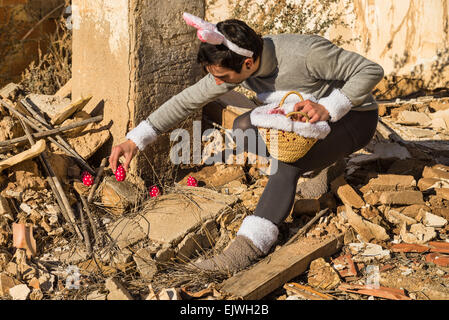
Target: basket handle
285, 97
305, 115
294, 112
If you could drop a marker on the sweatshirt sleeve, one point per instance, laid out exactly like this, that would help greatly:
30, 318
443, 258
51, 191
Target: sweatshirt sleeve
180, 106
326, 61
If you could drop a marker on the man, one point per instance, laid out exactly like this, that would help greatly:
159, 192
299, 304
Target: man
232, 53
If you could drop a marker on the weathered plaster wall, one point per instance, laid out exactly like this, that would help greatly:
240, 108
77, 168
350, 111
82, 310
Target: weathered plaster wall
134, 55
100, 63
163, 64
407, 37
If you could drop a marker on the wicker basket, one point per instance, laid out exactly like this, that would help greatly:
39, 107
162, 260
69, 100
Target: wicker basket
284, 145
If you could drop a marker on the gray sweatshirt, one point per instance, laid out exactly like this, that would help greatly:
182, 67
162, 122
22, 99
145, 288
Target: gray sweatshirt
340, 80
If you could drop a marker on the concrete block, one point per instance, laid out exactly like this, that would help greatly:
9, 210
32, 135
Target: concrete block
401, 197
436, 172
390, 182
168, 224
428, 183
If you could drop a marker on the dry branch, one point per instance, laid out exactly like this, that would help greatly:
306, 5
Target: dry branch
51, 132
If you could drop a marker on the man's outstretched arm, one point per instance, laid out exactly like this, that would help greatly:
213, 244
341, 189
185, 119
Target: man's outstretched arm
167, 116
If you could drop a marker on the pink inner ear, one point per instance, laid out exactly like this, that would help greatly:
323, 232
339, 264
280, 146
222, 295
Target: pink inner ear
197, 22
211, 37
191, 21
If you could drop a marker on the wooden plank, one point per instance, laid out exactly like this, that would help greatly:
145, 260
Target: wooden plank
31, 153
236, 99
69, 110
278, 268
65, 90
228, 118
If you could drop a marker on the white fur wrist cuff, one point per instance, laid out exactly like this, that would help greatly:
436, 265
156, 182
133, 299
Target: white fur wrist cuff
142, 135
337, 104
262, 232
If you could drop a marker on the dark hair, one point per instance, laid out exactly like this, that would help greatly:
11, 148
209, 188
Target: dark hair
239, 33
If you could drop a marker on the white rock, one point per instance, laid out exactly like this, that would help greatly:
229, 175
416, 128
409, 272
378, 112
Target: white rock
25, 208
116, 290
368, 251
413, 118
19, 292
432, 220
418, 234
398, 218
96, 295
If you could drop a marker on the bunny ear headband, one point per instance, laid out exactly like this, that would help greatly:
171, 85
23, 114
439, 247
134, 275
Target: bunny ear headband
208, 32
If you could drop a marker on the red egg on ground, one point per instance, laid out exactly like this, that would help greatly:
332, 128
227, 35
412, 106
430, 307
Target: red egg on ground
192, 182
87, 179
120, 173
154, 191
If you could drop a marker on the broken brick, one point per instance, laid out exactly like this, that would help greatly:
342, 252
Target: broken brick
372, 198
436, 246
438, 259
409, 247
367, 230
381, 292
443, 193
346, 193
347, 267
390, 182
401, 197
369, 212
436, 172
427, 183
396, 217
413, 210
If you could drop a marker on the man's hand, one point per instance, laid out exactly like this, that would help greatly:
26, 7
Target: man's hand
127, 149
315, 111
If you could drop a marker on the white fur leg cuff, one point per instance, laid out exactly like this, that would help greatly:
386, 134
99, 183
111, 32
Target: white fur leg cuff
337, 104
262, 232
142, 135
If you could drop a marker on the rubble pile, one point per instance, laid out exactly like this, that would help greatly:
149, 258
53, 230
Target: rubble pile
63, 236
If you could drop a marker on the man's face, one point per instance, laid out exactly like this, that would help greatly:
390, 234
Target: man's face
222, 74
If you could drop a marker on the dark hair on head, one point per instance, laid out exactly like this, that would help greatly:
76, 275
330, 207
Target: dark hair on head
239, 33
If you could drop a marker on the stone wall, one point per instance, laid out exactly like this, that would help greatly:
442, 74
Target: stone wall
133, 55
162, 64
17, 17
